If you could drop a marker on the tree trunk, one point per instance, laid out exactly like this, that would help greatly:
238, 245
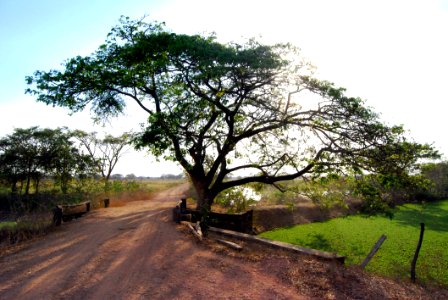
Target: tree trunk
204, 197
27, 187
21, 187
203, 202
14, 189
37, 182
64, 185
107, 186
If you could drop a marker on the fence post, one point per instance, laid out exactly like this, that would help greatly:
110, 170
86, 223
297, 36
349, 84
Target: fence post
374, 250
176, 214
183, 205
57, 216
419, 245
247, 221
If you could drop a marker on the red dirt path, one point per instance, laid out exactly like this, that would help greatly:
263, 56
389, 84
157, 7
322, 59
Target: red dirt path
131, 252
136, 252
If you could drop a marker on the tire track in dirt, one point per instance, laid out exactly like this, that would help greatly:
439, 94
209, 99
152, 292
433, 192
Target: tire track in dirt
131, 252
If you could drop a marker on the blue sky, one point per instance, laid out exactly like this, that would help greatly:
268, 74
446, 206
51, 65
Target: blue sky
392, 53
41, 34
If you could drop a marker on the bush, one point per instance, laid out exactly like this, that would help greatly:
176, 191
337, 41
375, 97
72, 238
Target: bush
237, 199
438, 174
25, 227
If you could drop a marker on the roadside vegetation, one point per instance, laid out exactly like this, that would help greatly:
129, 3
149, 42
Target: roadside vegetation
374, 205
236, 117
354, 236
230, 114
33, 216
41, 168
24, 227
369, 194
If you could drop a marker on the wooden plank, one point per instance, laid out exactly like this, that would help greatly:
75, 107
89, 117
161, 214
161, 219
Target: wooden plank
73, 209
195, 233
230, 244
374, 250
176, 214
198, 228
70, 211
279, 245
241, 222
57, 216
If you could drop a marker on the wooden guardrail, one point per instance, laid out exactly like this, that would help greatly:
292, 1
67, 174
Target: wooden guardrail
67, 212
279, 245
242, 222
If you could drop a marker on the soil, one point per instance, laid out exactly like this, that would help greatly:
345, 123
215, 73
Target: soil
136, 252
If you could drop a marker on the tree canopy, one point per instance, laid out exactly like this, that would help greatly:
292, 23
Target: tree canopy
29, 154
104, 152
223, 110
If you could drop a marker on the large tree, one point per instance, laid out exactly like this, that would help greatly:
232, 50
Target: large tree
104, 152
20, 158
224, 109
28, 154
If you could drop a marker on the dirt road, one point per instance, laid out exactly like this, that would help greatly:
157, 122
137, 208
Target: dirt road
132, 252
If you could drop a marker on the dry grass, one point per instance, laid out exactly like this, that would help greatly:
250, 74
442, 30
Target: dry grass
25, 228
146, 190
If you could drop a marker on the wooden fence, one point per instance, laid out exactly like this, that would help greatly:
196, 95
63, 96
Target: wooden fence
242, 222
68, 212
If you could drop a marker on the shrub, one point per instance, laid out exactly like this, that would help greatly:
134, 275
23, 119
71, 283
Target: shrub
237, 199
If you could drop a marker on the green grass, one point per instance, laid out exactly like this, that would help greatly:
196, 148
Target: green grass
8, 225
354, 236
25, 228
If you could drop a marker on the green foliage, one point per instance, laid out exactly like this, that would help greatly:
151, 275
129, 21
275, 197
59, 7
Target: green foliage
219, 109
104, 153
118, 186
9, 225
377, 193
25, 228
29, 155
399, 157
381, 192
326, 192
354, 236
371, 194
437, 173
237, 199
88, 189
275, 196
329, 192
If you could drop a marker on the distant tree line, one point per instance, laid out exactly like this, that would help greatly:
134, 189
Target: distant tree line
426, 182
368, 193
29, 155
437, 173
132, 176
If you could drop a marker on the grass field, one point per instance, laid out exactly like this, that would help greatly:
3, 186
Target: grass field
354, 236
8, 225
